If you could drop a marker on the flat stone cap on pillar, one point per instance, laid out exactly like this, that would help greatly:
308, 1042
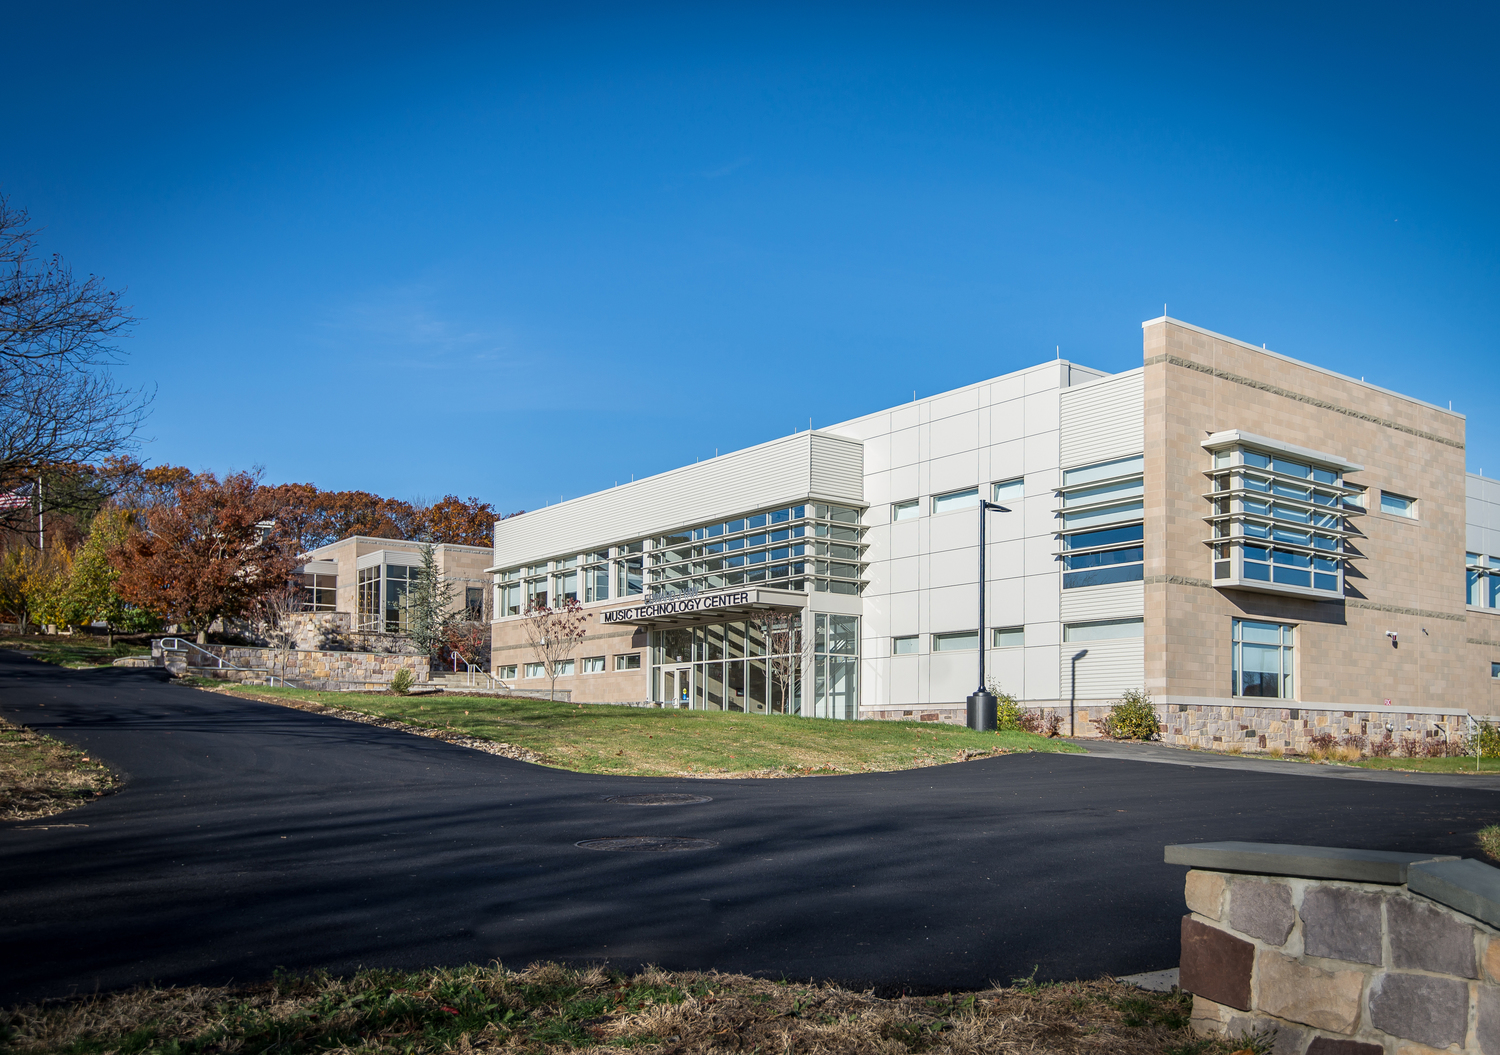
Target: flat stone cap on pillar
1308, 862
1471, 887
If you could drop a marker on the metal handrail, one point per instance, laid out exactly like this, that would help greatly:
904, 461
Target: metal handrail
177, 644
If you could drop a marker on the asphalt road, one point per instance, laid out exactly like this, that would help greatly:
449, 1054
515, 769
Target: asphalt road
250, 837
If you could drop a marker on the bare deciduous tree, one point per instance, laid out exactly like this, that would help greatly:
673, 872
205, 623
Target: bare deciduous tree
58, 402
788, 648
272, 619
59, 405
554, 634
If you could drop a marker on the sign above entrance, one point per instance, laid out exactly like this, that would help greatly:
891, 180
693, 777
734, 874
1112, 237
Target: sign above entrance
727, 604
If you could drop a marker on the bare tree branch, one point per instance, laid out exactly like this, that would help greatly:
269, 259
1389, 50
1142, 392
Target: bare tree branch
58, 405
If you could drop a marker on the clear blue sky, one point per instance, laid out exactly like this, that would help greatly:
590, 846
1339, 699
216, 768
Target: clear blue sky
524, 252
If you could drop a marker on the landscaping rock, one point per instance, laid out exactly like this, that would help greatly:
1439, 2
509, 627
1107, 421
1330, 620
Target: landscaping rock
1205, 893
1216, 965
1322, 999
1492, 960
1341, 924
1261, 909
1487, 1030
1330, 1046
1429, 939
1430, 1010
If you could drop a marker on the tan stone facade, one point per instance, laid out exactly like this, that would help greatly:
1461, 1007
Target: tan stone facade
1410, 579
463, 567
609, 641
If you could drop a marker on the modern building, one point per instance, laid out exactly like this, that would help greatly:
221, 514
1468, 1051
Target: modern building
368, 578
1266, 547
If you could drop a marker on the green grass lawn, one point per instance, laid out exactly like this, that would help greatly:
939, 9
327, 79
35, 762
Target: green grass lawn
593, 738
75, 652
1432, 765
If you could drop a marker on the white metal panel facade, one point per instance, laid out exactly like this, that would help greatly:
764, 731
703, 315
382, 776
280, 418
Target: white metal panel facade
923, 571
1119, 600
1107, 670
792, 469
1103, 419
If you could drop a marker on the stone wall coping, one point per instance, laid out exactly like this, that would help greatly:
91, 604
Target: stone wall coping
1471, 887
1310, 862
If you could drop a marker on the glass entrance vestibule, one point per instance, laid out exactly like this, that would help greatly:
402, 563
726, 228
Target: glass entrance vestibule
761, 666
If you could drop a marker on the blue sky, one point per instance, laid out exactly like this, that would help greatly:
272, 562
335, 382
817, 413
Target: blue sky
525, 252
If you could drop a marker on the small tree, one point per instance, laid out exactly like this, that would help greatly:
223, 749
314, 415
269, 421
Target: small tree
553, 634
93, 587
788, 647
429, 606
272, 618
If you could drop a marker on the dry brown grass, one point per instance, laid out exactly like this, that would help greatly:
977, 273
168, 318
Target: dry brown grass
548, 1008
40, 776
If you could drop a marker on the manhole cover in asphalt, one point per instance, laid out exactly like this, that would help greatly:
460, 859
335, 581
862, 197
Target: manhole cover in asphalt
647, 843
664, 799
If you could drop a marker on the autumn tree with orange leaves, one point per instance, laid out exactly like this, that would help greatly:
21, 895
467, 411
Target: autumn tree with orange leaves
205, 555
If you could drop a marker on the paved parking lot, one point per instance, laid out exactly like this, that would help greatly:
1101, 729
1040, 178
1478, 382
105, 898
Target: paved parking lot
251, 837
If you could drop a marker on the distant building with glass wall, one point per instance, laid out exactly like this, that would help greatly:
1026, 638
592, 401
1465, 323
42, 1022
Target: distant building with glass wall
1222, 526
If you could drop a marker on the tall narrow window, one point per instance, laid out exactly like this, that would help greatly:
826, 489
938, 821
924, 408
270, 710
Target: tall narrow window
1262, 659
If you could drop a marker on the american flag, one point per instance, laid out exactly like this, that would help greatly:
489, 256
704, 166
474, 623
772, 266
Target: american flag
16, 499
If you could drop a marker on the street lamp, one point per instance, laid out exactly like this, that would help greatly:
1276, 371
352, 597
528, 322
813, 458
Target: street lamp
983, 710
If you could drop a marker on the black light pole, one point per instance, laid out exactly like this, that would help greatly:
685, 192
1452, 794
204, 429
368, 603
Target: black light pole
983, 710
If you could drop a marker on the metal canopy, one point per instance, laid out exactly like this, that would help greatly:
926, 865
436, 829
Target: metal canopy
717, 606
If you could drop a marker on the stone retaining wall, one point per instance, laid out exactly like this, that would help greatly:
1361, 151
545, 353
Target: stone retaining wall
1223, 727
1343, 967
1292, 728
330, 671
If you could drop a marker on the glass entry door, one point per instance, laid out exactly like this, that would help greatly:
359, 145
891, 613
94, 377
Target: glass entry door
677, 686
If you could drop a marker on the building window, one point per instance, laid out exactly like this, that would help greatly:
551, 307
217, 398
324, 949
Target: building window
369, 598
567, 585
906, 510
1495, 670
1262, 663
593, 664
630, 570
506, 671
955, 500
399, 582
508, 599
1101, 507
959, 641
474, 603
564, 667
1277, 522
320, 592
1008, 637
536, 670
628, 662
769, 549
1104, 630
904, 646
1398, 505
1008, 491
1094, 558
596, 578
836, 666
